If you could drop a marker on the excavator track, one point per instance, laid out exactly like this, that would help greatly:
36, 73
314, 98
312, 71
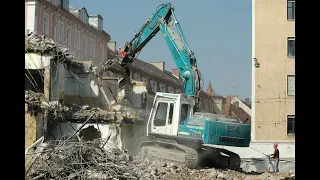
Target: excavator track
171, 151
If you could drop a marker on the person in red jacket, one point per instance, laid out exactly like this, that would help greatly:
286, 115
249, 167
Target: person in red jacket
275, 156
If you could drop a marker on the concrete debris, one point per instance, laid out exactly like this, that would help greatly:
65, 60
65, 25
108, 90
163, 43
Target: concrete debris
40, 43
81, 160
151, 168
34, 97
77, 113
78, 159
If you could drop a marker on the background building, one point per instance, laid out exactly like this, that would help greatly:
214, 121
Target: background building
82, 33
73, 28
151, 78
273, 87
273, 71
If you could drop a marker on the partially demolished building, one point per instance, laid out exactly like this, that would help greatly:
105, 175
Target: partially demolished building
64, 96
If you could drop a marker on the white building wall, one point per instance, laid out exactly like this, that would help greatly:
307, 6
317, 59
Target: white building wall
36, 61
128, 137
253, 79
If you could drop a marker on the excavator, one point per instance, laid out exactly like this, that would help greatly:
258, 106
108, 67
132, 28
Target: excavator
177, 129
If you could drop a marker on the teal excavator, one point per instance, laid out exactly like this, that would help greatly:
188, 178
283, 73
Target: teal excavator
178, 131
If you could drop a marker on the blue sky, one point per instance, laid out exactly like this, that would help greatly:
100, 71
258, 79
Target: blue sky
218, 32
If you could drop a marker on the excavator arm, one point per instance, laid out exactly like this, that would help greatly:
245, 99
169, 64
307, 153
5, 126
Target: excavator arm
164, 20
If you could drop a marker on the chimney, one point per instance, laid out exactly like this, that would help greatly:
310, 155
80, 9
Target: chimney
228, 100
160, 65
175, 72
227, 106
247, 101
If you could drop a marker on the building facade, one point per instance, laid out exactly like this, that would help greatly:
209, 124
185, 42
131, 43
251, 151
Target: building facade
273, 71
157, 78
80, 32
150, 78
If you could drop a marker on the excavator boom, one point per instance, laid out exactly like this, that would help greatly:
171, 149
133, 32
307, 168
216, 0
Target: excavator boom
164, 20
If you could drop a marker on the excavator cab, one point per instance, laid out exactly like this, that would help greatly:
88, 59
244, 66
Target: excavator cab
169, 111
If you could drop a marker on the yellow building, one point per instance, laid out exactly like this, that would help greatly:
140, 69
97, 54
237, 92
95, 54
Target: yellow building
273, 71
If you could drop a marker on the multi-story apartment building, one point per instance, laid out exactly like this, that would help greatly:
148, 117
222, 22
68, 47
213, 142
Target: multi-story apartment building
273, 86
82, 33
273, 71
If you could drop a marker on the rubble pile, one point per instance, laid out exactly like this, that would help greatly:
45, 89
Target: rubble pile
40, 43
150, 169
76, 112
78, 159
34, 97
81, 160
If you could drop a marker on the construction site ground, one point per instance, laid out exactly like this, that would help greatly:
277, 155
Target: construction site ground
79, 159
150, 168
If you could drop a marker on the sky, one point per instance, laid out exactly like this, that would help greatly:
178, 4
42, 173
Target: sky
217, 31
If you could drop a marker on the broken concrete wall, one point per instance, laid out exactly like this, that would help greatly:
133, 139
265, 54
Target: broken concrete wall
138, 98
30, 128
110, 86
126, 137
66, 85
107, 132
133, 135
40, 62
33, 127
81, 90
73, 87
58, 81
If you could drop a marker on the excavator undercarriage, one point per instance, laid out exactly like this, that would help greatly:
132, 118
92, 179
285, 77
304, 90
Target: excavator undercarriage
193, 154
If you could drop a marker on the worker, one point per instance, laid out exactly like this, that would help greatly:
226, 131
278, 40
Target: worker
275, 157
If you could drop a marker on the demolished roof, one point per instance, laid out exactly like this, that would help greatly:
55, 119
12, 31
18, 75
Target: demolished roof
56, 111
35, 43
40, 44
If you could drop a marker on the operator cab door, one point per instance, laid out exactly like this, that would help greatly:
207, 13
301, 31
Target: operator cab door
162, 120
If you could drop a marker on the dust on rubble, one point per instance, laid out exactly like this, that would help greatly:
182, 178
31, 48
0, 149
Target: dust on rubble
78, 159
151, 168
